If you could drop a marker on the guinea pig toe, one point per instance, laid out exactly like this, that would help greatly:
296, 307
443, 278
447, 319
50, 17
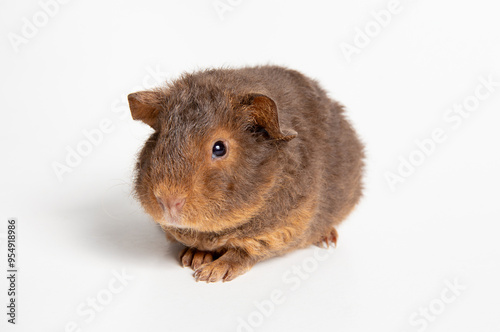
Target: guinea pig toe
207, 257
218, 270
332, 237
200, 258
203, 273
232, 273
187, 256
195, 258
322, 243
329, 239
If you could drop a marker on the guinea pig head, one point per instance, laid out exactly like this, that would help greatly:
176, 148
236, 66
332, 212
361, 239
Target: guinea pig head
213, 158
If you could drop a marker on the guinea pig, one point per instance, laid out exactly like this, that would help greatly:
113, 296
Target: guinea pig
245, 164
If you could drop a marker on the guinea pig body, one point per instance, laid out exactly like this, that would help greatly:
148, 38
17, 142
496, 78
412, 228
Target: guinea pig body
245, 164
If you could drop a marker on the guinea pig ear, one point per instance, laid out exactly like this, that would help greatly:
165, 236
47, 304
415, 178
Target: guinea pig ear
145, 106
264, 113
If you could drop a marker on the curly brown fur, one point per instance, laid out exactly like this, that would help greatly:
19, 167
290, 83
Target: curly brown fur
292, 171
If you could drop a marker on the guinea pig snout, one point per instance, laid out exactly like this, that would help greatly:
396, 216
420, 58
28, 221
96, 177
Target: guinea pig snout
172, 204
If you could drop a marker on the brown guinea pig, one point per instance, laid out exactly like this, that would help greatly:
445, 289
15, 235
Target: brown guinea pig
245, 164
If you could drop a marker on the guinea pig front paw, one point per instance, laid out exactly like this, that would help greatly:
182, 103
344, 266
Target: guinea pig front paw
220, 270
195, 258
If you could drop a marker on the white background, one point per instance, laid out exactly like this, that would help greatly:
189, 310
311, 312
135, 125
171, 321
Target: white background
397, 252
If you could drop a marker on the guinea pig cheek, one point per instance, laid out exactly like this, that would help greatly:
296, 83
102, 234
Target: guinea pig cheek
217, 182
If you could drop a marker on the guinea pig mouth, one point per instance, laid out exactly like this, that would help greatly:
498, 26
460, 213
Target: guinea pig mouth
170, 220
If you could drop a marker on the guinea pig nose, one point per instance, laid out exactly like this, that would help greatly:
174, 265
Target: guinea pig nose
173, 203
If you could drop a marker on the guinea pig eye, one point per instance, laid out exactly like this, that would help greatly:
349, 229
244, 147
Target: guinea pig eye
219, 149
